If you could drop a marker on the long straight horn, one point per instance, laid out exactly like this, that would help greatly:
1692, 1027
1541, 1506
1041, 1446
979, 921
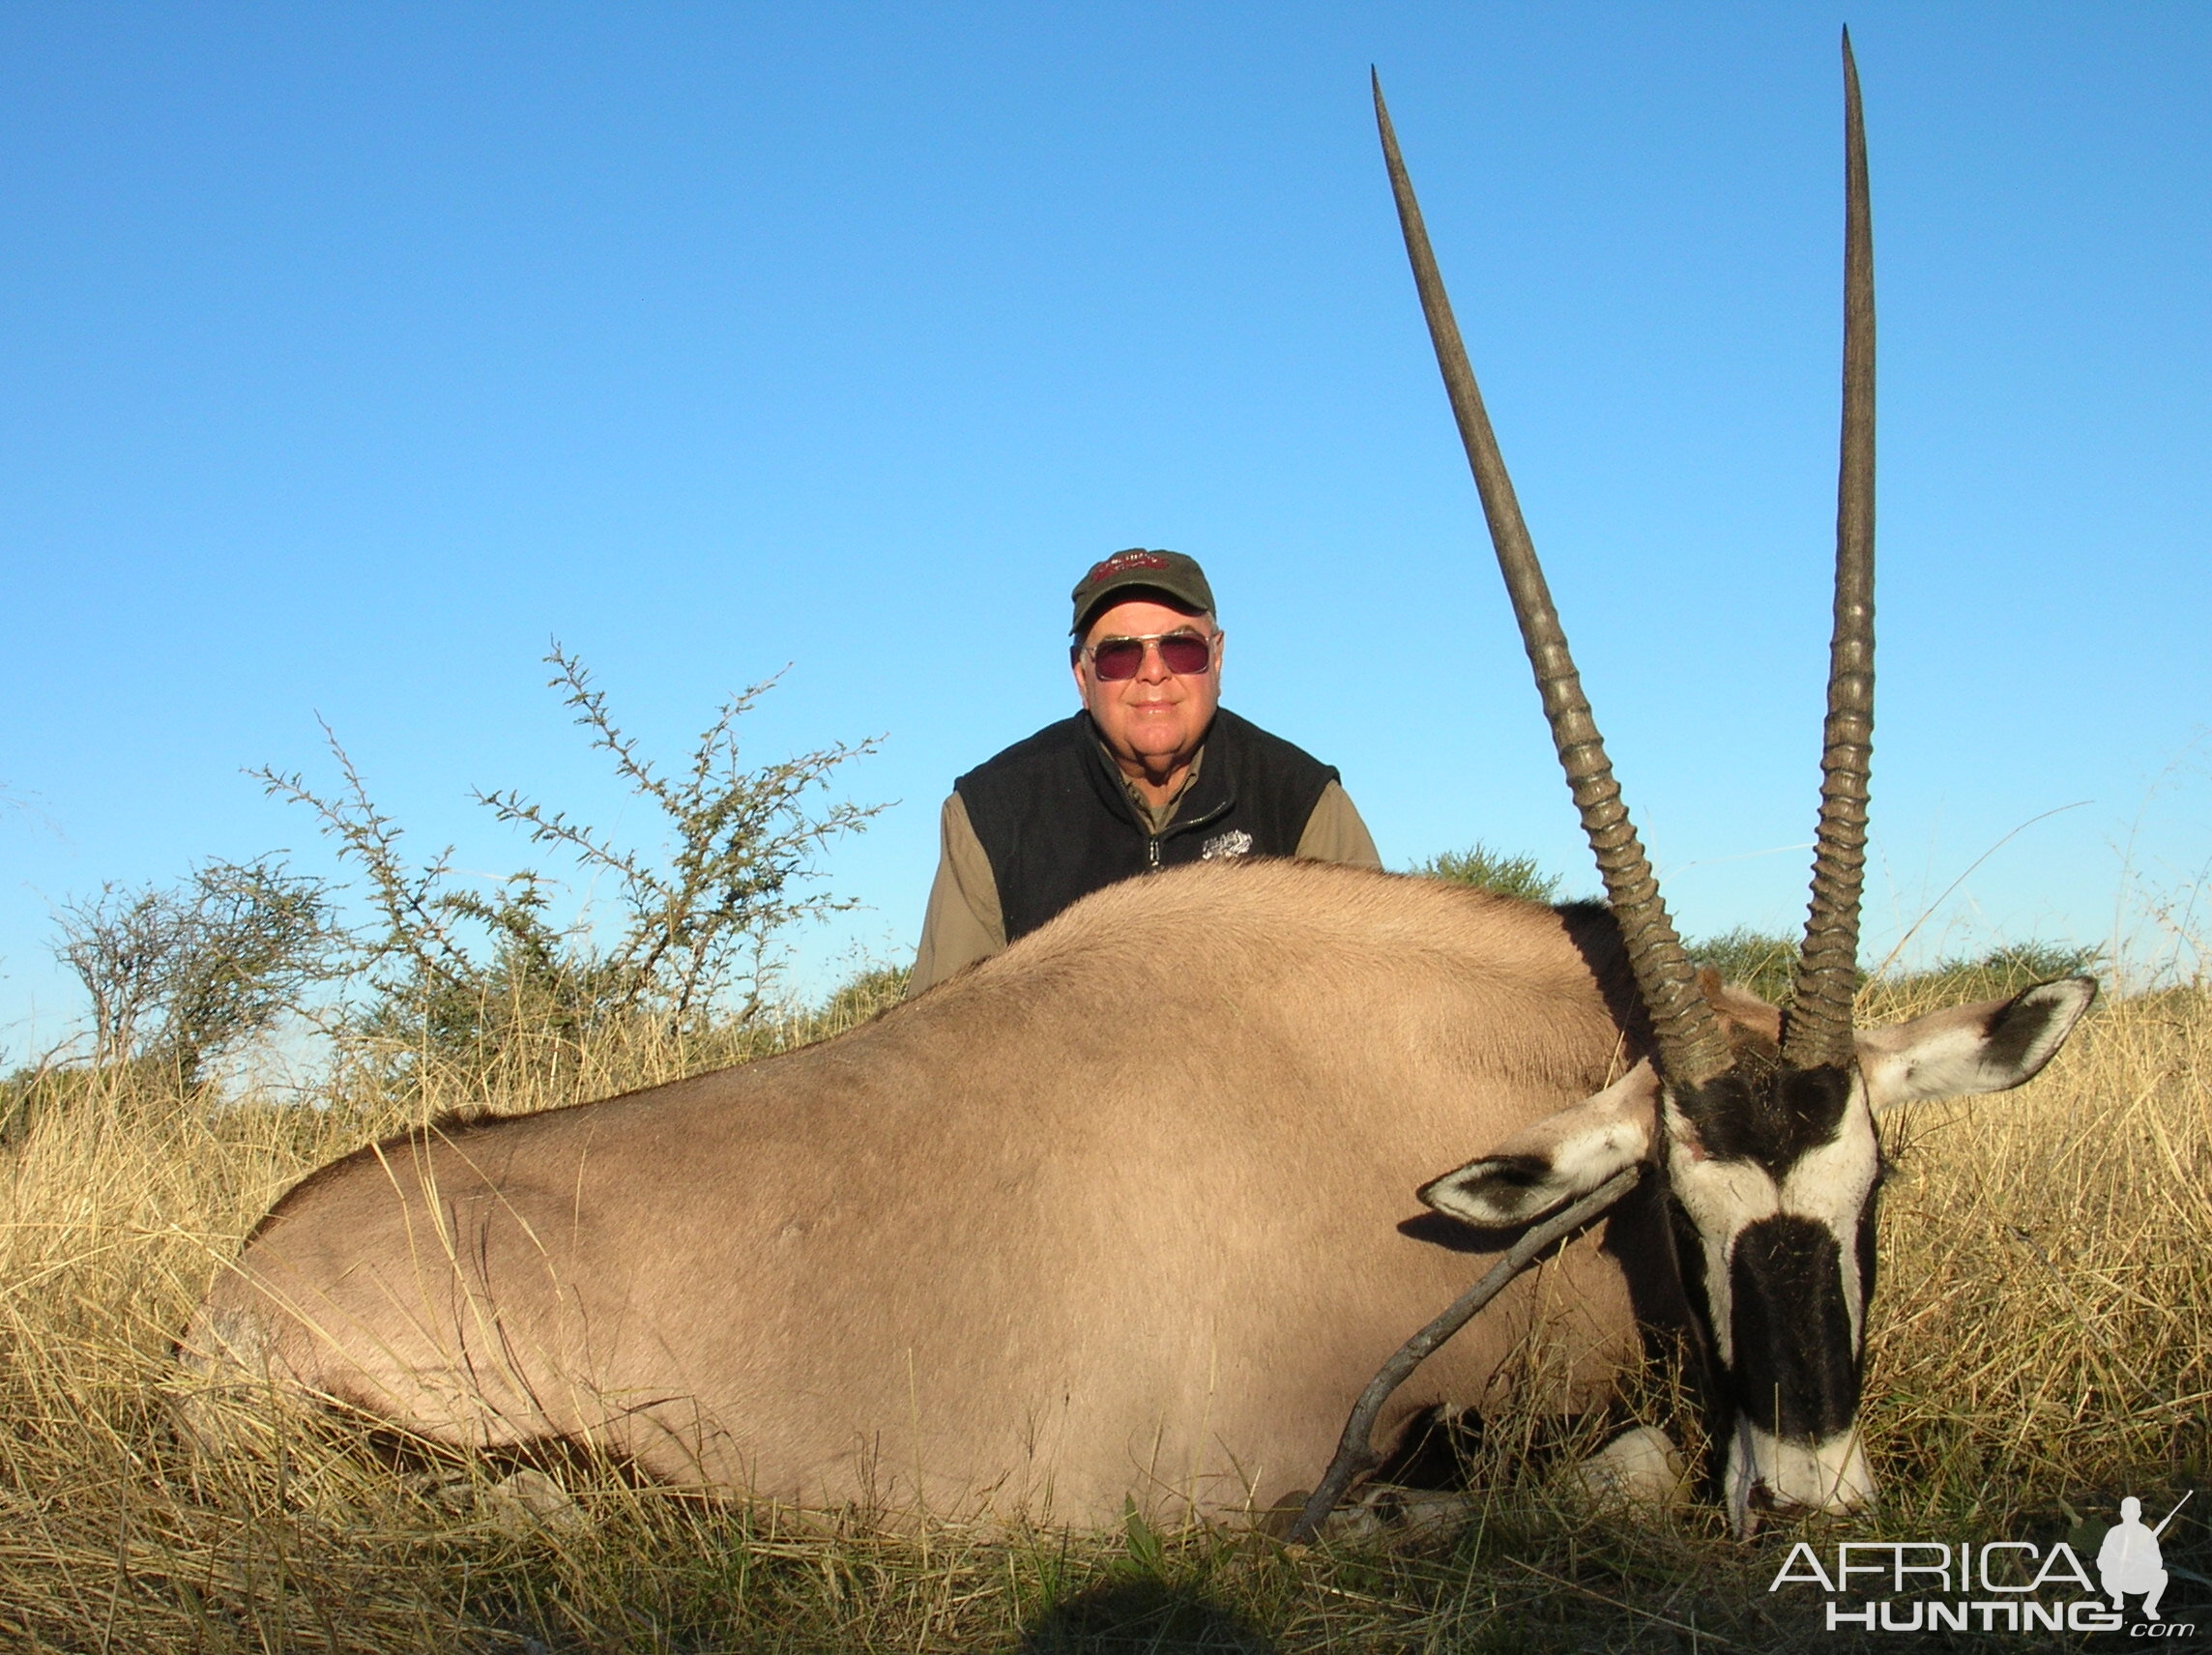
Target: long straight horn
1819, 1027
1691, 1047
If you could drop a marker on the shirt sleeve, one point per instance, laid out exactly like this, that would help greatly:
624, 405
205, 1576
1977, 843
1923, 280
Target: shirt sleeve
963, 923
1334, 833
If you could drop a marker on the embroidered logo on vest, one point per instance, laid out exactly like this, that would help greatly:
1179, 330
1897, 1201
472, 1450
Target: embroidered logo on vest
1233, 842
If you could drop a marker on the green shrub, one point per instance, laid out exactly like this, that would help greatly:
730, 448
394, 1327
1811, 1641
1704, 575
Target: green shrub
2009, 969
1766, 961
1760, 961
1486, 869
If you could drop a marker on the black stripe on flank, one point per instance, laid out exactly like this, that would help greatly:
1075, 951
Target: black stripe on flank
1795, 1372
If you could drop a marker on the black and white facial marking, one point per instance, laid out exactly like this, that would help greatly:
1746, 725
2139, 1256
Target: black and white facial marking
1772, 1178
1772, 1173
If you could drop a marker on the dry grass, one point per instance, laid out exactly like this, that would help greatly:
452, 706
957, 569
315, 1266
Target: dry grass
2041, 1346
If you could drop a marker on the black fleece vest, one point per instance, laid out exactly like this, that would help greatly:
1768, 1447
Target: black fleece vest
1057, 822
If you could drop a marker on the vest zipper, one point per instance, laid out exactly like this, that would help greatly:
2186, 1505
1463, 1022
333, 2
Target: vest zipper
1152, 843
1192, 826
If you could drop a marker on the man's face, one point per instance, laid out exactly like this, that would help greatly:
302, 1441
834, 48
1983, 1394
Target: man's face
1157, 719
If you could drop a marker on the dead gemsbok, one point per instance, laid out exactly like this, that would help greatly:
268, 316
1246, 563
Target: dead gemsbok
1125, 1211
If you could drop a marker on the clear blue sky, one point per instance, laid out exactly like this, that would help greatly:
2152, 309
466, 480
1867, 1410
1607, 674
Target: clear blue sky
348, 355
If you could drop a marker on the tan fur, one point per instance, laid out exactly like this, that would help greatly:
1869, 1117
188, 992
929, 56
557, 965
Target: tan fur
1114, 1214
1741, 1012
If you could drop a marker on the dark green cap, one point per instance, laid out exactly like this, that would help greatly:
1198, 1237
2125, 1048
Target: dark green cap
1167, 572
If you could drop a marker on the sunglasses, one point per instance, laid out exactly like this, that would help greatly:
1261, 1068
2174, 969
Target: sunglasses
1184, 653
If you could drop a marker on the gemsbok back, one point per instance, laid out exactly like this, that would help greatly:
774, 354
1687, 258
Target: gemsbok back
1126, 1212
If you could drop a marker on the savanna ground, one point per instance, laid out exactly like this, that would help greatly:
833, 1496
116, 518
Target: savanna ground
2039, 1349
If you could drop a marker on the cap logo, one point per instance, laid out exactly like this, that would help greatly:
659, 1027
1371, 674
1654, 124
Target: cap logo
1120, 562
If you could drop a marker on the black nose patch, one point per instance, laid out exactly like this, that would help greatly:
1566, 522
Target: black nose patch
1796, 1371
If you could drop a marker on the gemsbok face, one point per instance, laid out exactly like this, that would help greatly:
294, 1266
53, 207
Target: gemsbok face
1760, 1122
1772, 1176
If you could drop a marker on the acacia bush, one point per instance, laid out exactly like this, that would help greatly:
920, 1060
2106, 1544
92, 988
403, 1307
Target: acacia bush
485, 981
489, 982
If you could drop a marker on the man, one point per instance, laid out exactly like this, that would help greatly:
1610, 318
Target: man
1150, 773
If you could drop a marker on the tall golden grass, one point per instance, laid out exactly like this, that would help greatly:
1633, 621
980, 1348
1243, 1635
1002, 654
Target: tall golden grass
2040, 1346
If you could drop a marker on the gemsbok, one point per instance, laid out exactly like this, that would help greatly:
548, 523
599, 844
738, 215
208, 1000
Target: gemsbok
1126, 1212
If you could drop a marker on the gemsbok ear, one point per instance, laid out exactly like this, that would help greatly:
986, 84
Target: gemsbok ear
1992, 1046
1560, 1158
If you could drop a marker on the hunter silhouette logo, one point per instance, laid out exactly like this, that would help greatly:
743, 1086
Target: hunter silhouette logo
2129, 1561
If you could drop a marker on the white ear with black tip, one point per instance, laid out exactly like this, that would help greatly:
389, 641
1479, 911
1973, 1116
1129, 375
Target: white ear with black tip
1992, 1046
1559, 1159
